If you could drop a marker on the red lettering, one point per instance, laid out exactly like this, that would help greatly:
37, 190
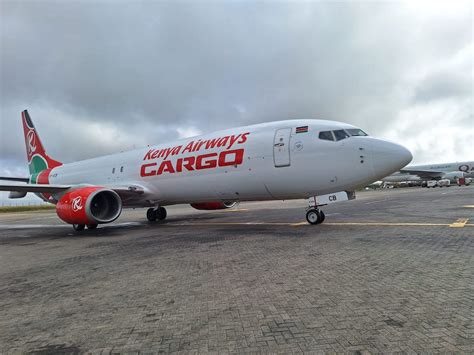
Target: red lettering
148, 155
155, 154
237, 159
189, 147
168, 151
145, 172
179, 165
233, 139
165, 167
162, 153
205, 161
243, 138
189, 162
200, 145
223, 141
211, 143
176, 150
196, 146
206, 164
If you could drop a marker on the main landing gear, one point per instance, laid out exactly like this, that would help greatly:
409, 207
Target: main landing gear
81, 227
154, 214
315, 216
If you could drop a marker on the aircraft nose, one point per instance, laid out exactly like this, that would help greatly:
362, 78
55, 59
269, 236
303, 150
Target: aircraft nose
389, 157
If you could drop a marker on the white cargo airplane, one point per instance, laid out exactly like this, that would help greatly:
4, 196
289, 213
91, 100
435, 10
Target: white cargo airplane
450, 171
294, 159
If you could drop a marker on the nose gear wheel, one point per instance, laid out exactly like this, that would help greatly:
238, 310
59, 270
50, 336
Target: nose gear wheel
315, 216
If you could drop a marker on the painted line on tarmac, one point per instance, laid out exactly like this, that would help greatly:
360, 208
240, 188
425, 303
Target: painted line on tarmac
304, 223
460, 223
378, 224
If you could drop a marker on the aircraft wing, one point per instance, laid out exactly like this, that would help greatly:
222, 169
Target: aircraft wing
123, 191
19, 179
429, 174
35, 188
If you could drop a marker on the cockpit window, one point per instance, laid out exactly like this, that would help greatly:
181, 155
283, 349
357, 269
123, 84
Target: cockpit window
341, 134
356, 132
326, 135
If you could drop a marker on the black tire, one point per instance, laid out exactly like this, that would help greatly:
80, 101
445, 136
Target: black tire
91, 226
313, 216
151, 215
322, 215
78, 227
161, 213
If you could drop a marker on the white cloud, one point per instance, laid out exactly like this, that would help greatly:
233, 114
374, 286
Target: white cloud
186, 132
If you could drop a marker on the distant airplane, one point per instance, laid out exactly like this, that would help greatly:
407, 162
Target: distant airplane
450, 171
295, 159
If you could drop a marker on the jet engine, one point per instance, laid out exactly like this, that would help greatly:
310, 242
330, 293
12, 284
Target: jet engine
89, 205
213, 205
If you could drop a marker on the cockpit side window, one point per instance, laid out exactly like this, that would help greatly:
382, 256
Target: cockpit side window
341, 134
326, 136
356, 132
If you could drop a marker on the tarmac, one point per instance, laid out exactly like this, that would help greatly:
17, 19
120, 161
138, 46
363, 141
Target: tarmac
392, 271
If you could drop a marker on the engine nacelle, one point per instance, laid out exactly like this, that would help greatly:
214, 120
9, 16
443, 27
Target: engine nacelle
89, 205
213, 205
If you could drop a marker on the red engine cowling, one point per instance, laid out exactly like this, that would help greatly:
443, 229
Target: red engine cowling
213, 205
89, 205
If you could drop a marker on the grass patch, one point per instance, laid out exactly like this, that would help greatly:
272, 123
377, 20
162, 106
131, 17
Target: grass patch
9, 209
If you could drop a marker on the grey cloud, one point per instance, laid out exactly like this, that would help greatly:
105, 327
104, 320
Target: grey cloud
139, 72
444, 85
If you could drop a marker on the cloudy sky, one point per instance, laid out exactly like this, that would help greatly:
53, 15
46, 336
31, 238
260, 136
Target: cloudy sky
99, 76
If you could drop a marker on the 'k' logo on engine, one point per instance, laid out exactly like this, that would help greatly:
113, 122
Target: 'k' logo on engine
76, 203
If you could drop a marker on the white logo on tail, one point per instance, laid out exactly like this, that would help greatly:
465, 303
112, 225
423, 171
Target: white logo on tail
31, 141
76, 203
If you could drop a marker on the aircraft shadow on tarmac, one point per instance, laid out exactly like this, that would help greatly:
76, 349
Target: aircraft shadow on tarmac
219, 223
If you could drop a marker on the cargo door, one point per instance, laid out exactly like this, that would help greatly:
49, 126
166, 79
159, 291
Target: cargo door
281, 147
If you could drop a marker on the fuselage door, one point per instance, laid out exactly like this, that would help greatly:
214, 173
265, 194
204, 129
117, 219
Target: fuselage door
281, 147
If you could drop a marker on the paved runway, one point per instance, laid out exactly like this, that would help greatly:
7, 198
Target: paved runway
390, 271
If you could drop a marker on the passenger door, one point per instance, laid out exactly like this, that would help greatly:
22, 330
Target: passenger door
281, 147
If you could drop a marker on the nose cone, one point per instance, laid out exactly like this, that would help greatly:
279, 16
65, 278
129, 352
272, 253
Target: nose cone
389, 157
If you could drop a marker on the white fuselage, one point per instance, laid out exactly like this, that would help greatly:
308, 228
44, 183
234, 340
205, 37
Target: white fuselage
272, 161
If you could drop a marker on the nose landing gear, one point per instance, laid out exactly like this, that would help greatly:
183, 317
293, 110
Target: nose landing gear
315, 216
154, 214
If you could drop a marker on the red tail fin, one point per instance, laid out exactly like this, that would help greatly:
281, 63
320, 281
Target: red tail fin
38, 160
